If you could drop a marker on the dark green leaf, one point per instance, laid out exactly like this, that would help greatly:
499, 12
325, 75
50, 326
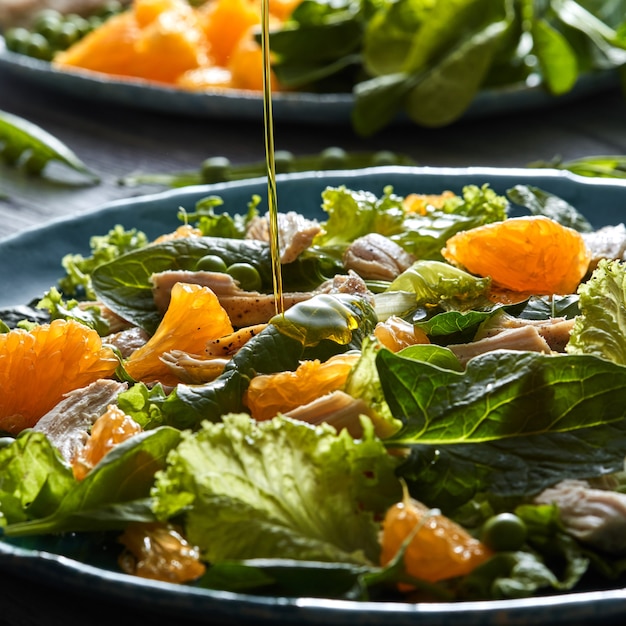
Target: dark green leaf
448, 88
540, 202
501, 394
557, 59
114, 492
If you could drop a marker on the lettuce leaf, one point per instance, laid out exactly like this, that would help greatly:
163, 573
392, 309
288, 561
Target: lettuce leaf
438, 284
33, 478
600, 329
279, 488
352, 214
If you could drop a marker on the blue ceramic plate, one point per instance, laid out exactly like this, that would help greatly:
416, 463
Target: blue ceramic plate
295, 107
34, 258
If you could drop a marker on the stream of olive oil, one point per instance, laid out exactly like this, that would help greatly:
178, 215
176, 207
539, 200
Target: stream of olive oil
272, 196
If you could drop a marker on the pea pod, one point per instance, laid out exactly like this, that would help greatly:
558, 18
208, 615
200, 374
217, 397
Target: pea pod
30, 147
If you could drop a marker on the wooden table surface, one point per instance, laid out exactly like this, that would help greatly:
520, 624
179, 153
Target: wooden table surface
116, 141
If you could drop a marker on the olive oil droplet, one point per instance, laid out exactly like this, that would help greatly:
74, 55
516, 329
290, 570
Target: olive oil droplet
272, 196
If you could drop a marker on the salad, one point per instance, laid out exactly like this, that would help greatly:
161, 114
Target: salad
410, 428
421, 59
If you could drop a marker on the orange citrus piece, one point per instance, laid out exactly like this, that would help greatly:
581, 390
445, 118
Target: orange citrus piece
225, 23
282, 9
396, 334
419, 202
111, 428
159, 552
440, 548
533, 255
193, 317
39, 366
246, 67
108, 49
270, 394
156, 40
170, 45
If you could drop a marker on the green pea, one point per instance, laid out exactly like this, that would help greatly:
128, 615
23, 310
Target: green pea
80, 22
108, 9
246, 275
45, 16
504, 532
283, 161
38, 47
385, 157
66, 36
17, 39
333, 158
48, 25
215, 169
211, 263
94, 22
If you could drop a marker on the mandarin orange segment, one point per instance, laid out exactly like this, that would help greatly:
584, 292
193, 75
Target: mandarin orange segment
38, 367
395, 334
111, 428
246, 67
172, 44
270, 394
282, 9
533, 255
159, 552
193, 317
157, 40
109, 49
147, 11
439, 549
225, 23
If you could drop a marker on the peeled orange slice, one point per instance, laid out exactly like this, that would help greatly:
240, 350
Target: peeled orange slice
193, 317
526, 254
270, 394
39, 366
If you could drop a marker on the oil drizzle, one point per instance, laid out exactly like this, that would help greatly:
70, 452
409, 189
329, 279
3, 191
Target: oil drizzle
272, 196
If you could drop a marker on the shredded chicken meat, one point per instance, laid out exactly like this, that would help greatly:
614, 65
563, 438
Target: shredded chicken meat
67, 425
376, 257
295, 233
594, 516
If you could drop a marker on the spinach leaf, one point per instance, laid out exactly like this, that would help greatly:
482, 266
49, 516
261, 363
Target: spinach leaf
501, 394
447, 90
124, 284
449, 475
26, 145
540, 202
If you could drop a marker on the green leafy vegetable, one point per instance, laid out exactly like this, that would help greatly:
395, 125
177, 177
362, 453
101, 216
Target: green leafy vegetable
601, 328
31, 455
540, 202
428, 60
279, 488
58, 308
500, 394
104, 248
